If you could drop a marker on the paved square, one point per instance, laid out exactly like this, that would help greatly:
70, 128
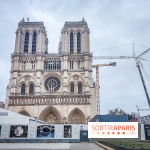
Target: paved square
49, 146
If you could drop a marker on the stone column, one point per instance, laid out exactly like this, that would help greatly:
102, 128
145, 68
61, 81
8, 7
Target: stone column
30, 43
65, 42
86, 62
88, 42
22, 43
17, 42
82, 42
37, 41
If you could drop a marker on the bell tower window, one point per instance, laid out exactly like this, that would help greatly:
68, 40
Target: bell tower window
72, 88
71, 42
34, 43
26, 43
78, 43
23, 89
31, 89
79, 88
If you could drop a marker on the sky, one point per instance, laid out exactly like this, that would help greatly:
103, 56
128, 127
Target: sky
112, 24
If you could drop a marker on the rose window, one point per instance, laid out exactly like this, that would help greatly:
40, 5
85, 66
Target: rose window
52, 84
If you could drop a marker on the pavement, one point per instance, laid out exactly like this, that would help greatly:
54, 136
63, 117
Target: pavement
49, 146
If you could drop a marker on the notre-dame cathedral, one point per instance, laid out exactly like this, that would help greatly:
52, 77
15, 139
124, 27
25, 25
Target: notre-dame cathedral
54, 87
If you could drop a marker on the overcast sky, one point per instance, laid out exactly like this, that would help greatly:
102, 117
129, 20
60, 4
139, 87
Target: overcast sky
111, 23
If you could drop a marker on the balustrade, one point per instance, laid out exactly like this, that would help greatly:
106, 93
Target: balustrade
50, 100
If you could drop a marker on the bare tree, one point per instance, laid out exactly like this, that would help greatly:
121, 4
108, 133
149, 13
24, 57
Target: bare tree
134, 115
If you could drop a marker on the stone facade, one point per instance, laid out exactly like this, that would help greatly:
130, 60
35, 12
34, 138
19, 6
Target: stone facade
56, 88
1, 104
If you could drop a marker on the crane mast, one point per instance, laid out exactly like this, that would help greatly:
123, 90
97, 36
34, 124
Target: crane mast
138, 66
143, 82
97, 82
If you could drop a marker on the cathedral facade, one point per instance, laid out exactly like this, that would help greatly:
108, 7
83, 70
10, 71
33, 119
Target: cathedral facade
55, 88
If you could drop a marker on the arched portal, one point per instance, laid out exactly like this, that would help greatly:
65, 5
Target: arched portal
76, 116
51, 115
24, 112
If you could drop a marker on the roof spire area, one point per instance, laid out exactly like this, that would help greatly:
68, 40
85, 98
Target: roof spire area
83, 19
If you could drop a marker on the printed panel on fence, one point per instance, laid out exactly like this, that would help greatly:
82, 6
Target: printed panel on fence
45, 131
67, 131
19, 131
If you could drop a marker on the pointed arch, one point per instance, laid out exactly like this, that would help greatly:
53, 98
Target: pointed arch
79, 88
26, 42
34, 43
51, 74
78, 43
72, 88
31, 88
51, 115
76, 116
22, 79
24, 112
76, 75
23, 88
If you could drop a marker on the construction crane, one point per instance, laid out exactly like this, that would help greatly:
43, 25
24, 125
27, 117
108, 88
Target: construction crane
138, 66
123, 57
138, 63
97, 82
143, 82
113, 57
97, 73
